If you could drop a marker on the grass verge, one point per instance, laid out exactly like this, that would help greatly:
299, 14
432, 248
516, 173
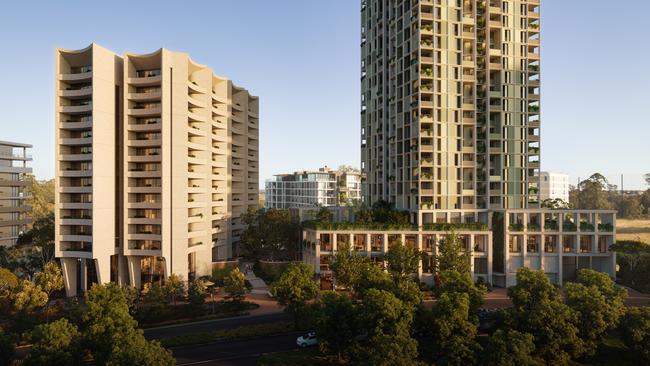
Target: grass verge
249, 331
309, 356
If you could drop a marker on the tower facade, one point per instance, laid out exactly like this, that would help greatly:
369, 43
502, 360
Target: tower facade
450, 105
14, 208
175, 154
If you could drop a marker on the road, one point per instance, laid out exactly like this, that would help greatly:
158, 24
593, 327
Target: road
235, 353
212, 325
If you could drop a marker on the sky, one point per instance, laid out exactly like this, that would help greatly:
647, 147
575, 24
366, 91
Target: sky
301, 57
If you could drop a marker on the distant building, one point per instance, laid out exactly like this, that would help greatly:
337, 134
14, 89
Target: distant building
325, 187
14, 211
553, 185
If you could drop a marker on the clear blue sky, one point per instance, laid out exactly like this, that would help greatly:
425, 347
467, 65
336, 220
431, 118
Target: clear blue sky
302, 58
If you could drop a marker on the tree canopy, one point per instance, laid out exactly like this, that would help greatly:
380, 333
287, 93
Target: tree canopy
295, 288
270, 234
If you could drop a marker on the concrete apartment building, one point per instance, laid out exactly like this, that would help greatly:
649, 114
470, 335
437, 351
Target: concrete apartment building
14, 209
553, 186
450, 120
157, 157
307, 189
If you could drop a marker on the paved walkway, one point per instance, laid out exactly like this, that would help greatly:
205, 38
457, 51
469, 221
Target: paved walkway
259, 286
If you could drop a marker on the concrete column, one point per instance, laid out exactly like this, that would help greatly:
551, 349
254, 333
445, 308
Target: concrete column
368, 247
135, 274
122, 271
402, 238
351, 242
489, 257
419, 244
83, 280
471, 257
334, 242
69, 269
385, 243
103, 269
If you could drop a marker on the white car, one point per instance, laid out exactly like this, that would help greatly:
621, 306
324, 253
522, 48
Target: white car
307, 340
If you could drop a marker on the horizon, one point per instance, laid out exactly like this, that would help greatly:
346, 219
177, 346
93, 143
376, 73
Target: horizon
302, 60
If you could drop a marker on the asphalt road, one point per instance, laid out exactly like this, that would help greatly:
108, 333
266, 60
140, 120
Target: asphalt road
235, 353
216, 324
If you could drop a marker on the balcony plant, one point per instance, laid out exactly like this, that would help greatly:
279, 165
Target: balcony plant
605, 227
586, 226
516, 227
534, 227
551, 225
569, 226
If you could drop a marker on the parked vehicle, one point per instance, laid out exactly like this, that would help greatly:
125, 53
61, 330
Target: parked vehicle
307, 340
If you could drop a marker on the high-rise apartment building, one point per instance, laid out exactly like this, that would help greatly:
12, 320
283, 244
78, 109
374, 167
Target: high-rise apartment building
14, 209
450, 132
325, 187
157, 157
553, 186
450, 104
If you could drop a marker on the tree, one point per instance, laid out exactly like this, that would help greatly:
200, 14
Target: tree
555, 203
384, 212
235, 285
41, 238
387, 321
635, 330
29, 298
337, 325
295, 288
538, 310
633, 257
453, 333
8, 286
41, 197
324, 215
174, 287
629, 207
402, 261
646, 177
592, 193
452, 255
347, 267
54, 344
111, 334
154, 303
196, 293
7, 348
50, 280
532, 288
373, 276
508, 347
455, 282
270, 234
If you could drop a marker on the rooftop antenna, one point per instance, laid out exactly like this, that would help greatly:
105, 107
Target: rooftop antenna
621, 183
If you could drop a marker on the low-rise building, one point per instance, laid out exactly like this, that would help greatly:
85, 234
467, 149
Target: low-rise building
553, 186
557, 241
324, 187
14, 210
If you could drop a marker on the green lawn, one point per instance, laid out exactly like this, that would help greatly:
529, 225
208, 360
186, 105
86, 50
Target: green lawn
228, 334
306, 357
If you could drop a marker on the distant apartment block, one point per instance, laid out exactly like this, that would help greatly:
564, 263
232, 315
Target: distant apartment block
156, 159
553, 186
14, 209
324, 187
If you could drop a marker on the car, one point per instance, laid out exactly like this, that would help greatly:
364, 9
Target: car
307, 340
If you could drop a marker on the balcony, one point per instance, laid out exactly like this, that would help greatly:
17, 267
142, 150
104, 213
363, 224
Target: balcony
146, 110
85, 140
82, 74
145, 96
146, 78
73, 93
77, 109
